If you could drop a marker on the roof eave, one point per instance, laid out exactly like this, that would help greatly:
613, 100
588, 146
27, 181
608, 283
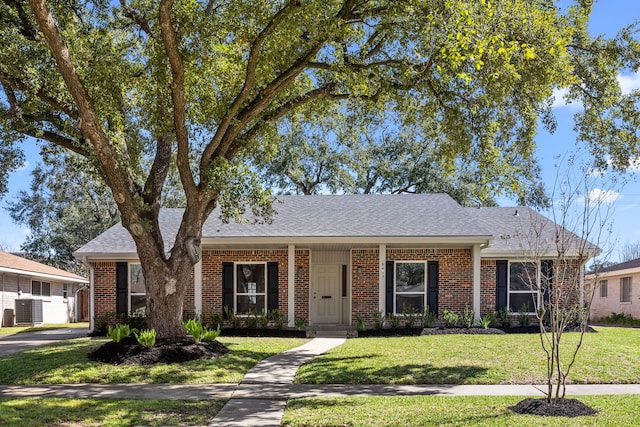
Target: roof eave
55, 277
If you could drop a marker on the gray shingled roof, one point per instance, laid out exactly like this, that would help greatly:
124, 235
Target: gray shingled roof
634, 263
346, 216
521, 229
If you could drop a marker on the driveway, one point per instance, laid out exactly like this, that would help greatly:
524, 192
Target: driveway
14, 343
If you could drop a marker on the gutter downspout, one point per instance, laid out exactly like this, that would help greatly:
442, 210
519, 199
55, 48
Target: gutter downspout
2, 299
91, 293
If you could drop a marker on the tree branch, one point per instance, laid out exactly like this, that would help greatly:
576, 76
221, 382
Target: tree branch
132, 14
17, 84
178, 97
27, 29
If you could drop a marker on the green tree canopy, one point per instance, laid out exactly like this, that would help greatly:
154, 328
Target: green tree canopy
211, 81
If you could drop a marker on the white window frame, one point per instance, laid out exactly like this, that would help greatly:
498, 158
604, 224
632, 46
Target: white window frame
395, 281
236, 294
527, 291
129, 284
40, 293
625, 281
604, 288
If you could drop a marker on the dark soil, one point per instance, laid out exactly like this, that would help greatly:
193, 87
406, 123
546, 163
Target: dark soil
129, 352
569, 408
263, 332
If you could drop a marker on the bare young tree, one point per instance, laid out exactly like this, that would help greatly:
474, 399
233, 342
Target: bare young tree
559, 249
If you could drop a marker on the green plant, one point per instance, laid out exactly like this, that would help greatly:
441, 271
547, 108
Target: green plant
211, 334
621, 319
216, 320
493, 317
450, 318
505, 317
263, 319
300, 322
395, 320
468, 317
485, 321
523, 317
146, 337
234, 320
277, 318
360, 323
119, 332
378, 319
410, 314
251, 320
427, 318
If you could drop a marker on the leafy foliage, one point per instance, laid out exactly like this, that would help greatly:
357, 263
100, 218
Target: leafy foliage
451, 318
119, 332
146, 337
199, 332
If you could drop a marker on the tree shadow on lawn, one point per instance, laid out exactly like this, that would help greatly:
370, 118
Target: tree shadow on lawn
339, 370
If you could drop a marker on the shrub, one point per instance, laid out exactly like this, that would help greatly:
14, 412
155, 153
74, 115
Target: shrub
523, 317
234, 320
119, 332
199, 332
211, 334
395, 320
263, 319
277, 318
146, 337
360, 323
468, 317
300, 322
621, 319
450, 318
505, 317
485, 321
378, 319
251, 320
410, 314
427, 318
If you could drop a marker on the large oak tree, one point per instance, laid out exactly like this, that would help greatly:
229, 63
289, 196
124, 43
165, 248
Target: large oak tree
207, 83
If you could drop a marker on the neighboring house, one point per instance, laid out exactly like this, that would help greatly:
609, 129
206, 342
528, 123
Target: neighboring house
617, 290
35, 293
331, 259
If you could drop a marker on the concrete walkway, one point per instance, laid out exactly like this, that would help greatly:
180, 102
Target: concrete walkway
252, 406
10, 344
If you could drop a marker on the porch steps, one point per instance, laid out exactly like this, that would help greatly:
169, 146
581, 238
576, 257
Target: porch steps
331, 331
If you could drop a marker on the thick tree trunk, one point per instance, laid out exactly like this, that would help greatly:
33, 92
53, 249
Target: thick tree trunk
166, 285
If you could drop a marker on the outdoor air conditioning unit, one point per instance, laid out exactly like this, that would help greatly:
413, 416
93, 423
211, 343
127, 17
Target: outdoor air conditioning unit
29, 311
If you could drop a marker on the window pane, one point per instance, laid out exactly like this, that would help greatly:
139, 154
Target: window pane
46, 289
35, 288
136, 279
404, 302
522, 276
625, 289
138, 305
517, 300
410, 277
250, 278
603, 288
255, 303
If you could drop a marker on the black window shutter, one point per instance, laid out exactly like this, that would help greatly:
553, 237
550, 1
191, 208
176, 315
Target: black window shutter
502, 267
389, 287
227, 287
432, 286
272, 285
546, 281
122, 285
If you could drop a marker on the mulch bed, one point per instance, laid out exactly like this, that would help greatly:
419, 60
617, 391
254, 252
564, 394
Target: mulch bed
568, 408
129, 352
263, 332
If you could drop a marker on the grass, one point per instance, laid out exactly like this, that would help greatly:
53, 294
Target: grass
25, 412
610, 356
448, 411
19, 329
67, 363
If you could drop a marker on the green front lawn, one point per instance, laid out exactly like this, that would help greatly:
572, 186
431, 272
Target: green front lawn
449, 411
610, 356
26, 412
67, 363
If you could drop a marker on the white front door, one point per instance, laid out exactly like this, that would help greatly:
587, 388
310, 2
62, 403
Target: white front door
325, 294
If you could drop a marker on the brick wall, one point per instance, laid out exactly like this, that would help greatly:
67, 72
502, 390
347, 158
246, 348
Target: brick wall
301, 302
364, 285
104, 279
487, 286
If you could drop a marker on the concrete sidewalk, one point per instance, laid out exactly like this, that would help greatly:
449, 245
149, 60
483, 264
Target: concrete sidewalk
15, 343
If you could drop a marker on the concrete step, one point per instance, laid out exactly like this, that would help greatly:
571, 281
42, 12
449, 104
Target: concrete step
331, 331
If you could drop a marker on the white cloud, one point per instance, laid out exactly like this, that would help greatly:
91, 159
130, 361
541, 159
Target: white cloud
559, 101
24, 166
600, 196
629, 82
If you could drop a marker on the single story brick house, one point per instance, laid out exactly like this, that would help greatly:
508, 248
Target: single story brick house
616, 290
332, 258
35, 293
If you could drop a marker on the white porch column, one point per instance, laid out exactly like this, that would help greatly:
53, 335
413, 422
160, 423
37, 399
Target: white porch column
382, 283
291, 285
197, 287
92, 306
476, 280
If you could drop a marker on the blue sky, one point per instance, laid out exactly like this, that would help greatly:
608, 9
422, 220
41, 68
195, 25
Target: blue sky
607, 17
